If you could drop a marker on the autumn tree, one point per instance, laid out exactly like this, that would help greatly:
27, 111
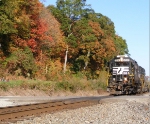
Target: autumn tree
46, 35
68, 13
22, 26
52, 52
91, 36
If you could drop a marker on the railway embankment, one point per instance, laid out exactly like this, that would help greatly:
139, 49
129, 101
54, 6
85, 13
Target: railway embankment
116, 110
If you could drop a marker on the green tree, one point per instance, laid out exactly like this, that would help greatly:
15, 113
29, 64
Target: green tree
7, 24
85, 39
66, 23
21, 62
73, 9
121, 45
67, 13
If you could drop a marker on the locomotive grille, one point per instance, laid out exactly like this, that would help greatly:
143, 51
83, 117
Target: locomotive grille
119, 77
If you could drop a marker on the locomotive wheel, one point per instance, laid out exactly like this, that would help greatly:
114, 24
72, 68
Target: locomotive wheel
147, 89
134, 92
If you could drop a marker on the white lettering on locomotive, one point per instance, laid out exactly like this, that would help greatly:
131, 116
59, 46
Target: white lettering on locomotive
120, 70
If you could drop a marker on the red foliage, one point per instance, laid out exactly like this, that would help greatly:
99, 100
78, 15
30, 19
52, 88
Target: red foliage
39, 34
39, 28
32, 44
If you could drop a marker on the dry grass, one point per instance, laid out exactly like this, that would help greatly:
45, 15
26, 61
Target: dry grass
72, 85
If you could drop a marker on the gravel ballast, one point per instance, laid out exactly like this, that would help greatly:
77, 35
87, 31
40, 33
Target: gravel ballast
122, 111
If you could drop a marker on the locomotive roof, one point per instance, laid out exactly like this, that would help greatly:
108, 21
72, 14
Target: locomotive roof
124, 56
130, 59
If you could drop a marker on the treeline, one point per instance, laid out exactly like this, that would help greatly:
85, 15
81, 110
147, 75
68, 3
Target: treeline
48, 42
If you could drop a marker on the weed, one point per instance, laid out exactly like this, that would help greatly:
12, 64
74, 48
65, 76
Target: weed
72, 83
4, 86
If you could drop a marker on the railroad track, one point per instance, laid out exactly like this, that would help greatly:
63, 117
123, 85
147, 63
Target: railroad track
14, 113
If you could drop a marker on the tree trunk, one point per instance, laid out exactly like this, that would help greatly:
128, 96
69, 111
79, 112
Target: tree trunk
86, 63
65, 60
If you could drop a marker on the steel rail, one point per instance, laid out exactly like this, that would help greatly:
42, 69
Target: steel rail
14, 113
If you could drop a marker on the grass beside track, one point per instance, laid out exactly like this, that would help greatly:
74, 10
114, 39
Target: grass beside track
73, 84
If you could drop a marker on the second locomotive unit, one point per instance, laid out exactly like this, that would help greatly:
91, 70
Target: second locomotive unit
125, 76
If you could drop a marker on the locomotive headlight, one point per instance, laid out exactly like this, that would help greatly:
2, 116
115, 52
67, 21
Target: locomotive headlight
113, 79
125, 78
121, 59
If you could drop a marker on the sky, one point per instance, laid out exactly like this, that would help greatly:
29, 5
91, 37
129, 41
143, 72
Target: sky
131, 20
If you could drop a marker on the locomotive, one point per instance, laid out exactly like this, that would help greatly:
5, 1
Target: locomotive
125, 76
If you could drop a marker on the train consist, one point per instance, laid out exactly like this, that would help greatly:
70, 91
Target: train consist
125, 76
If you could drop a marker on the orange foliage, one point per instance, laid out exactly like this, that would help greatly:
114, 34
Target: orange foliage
109, 47
96, 29
105, 47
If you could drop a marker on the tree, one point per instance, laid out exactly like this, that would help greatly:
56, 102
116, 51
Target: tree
121, 45
7, 24
21, 62
67, 13
22, 25
103, 30
73, 9
62, 19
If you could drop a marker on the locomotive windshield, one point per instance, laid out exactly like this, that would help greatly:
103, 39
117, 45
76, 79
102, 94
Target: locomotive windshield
121, 63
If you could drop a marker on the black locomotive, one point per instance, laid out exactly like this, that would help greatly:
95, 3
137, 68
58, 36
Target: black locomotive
125, 76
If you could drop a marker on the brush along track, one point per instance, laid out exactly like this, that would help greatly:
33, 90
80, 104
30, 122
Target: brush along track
14, 113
